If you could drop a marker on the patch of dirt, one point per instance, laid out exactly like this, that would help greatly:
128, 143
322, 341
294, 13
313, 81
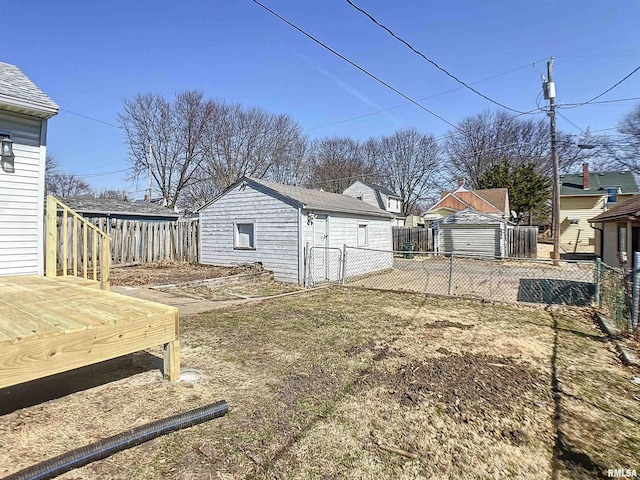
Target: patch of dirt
466, 385
246, 290
448, 324
163, 273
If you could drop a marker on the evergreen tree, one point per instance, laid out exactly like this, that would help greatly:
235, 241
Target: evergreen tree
529, 190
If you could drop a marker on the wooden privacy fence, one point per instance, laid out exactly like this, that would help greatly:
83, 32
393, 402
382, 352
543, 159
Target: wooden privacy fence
134, 241
421, 238
71, 233
522, 242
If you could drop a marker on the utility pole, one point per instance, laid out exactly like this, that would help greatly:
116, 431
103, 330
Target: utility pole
549, 89
149, 162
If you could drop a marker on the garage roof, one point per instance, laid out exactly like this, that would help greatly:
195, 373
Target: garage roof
310, 199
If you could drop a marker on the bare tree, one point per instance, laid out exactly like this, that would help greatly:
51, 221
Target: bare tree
337, 162
293, 167
114, 194
408, 162
60, 184
251, 142
492, 138
625, 151
175, 130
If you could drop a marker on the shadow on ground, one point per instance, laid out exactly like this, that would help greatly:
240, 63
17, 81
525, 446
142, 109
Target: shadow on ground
55, 386
562, 292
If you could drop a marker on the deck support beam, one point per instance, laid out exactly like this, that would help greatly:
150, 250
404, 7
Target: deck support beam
171, 367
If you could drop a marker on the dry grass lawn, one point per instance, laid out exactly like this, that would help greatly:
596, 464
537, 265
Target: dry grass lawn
342, 383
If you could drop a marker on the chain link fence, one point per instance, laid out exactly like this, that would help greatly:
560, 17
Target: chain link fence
613, 295
511, 280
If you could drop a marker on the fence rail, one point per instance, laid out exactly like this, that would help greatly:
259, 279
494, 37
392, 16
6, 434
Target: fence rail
613, 291
134, 241
89, 245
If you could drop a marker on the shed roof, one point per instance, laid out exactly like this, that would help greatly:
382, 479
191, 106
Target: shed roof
626, 210
470, 216
18, 93
311, 199
111, 206
572, 184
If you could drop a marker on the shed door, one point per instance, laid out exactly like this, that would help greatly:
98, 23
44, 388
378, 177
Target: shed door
320, 232
470, 239
320, 264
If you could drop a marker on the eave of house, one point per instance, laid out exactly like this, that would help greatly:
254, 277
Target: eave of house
26, 107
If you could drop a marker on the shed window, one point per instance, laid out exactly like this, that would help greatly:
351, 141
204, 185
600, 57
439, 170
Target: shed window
612, 194
245, 235
363, 235
622, 237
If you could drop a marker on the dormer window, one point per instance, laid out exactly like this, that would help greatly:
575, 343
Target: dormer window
612, 194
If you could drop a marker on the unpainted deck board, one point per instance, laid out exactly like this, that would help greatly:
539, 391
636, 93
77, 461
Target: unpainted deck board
50, 325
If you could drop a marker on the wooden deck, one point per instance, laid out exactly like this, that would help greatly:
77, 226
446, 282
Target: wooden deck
51, 325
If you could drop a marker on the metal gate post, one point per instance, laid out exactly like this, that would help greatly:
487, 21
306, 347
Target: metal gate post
344, 264
636, 291
307, 265
596, 280
450, 274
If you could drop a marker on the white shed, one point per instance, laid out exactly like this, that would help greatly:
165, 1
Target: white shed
24, 110
258, 221
470, 232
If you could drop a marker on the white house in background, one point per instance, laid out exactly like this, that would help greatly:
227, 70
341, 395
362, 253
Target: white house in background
24, 110
378, 196
258, 221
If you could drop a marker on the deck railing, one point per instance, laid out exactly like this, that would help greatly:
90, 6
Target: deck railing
73, 223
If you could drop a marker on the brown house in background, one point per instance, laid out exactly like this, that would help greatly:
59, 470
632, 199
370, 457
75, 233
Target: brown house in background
494, 201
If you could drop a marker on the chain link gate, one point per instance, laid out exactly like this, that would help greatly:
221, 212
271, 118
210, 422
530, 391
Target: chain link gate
322, 265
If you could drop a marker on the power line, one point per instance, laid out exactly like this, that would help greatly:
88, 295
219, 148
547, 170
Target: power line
564, 105
582, 130
366, 72
607, 90
421, 99
445, 71
91, 118
92, 175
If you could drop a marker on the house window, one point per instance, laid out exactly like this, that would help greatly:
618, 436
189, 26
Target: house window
389, 203
363, 235
359, 197
612, 195
622, 237
244, 236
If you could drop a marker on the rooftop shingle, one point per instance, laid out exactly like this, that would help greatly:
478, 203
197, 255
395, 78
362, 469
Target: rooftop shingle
14, 84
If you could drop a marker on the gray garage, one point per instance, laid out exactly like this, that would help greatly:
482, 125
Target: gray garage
470, 232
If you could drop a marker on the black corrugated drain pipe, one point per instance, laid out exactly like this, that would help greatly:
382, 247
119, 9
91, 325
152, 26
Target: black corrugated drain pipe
96, 451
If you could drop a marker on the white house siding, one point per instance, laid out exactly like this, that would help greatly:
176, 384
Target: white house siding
22, 198
276, 232
343, 230
361, 190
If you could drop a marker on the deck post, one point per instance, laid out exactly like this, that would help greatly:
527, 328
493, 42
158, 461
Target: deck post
105, 262
51, 237
171, 364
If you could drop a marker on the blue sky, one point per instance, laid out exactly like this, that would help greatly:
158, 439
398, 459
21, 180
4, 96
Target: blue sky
90, 56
